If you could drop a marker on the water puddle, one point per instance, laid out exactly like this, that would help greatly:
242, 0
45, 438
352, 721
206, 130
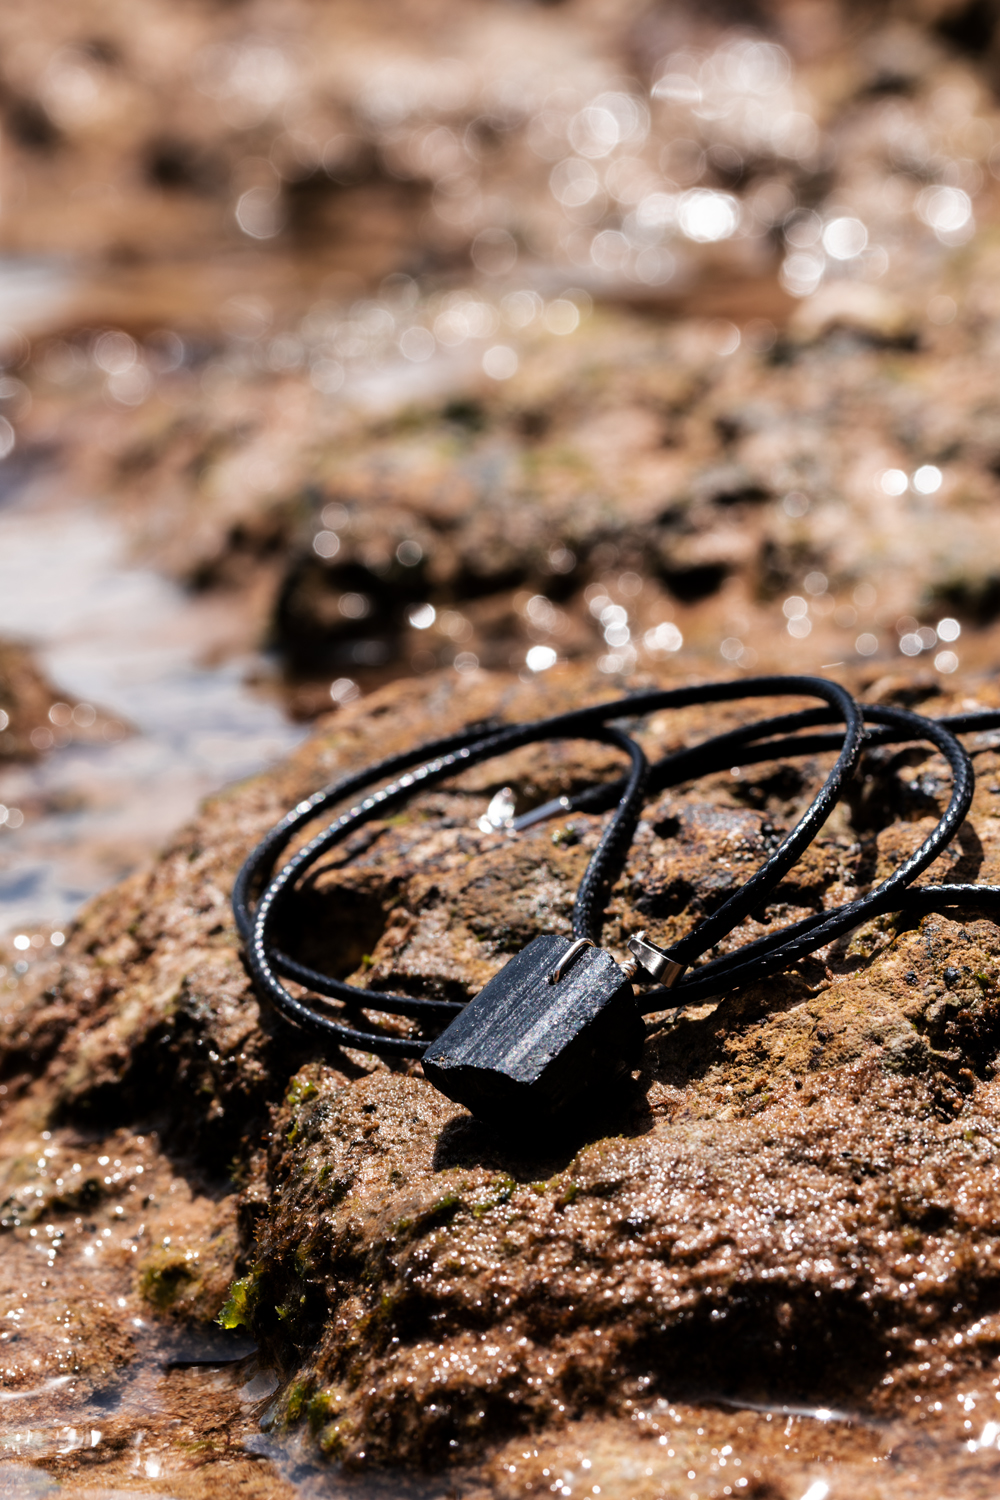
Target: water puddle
133, 1438
121, 637
34, 291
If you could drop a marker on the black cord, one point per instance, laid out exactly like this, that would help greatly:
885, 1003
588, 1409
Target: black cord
778, 950
777, 737
456, 753
265, 966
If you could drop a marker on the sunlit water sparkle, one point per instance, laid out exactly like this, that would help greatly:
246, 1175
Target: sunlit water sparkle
121, 637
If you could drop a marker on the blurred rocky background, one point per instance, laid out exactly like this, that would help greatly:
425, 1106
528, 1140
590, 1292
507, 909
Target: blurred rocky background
514, 333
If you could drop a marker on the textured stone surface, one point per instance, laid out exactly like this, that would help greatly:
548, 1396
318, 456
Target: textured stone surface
781, 1249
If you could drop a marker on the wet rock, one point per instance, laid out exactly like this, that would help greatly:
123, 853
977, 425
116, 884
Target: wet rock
284, 137
697, 503
493, 1296
792, 1212
775, 1267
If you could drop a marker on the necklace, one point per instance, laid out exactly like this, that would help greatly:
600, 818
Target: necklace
562, 1019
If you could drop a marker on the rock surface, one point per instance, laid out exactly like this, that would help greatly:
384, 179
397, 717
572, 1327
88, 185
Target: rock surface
777, 1263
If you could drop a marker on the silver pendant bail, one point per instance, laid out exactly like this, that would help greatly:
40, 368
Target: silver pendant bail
655, 962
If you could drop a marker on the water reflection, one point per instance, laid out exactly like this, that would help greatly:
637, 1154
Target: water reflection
121, 637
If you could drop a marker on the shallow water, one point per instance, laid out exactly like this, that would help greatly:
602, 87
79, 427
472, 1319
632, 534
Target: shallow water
129, 641
35, 290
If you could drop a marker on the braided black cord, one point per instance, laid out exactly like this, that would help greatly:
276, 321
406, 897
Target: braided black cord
608, 859
265, 966
776, 951
455, 754
768, 739
749, 744
264, 857
752, 744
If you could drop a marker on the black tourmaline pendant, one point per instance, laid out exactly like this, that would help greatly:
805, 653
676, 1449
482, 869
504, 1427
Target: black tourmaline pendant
552, 1032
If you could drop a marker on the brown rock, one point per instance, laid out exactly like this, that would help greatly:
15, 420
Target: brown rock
779, 1256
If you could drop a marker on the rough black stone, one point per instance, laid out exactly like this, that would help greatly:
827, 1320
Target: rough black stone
527, 1050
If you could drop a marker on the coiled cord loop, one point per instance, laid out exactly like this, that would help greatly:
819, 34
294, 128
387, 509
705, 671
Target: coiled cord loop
430, 765
802, 732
